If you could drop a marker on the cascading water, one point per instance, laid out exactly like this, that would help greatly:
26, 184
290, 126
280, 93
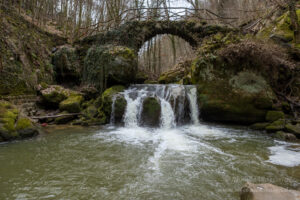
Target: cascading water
178, 104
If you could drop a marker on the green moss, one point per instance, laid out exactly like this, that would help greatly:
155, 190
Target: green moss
274, 115
276, 126
293, 129
72, 104
107, 99
23, 123
259, 126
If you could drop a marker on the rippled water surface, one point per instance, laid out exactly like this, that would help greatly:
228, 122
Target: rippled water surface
189, 162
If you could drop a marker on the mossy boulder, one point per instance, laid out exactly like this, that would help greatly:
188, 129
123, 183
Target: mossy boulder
13, 125
105, 66
72, 104
119, 109
259, 126
243, 98
285, 136
276, 126
295, 129
141, 77
151, 112
54, 94
274, 115
106, 99
66, 65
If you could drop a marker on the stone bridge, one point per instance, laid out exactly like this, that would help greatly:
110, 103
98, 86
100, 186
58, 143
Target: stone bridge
135, 33
110, 58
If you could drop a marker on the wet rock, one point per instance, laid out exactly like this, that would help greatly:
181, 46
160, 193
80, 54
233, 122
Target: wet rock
106, 99
72, 104
276, 126
285, 136
120, 107
274, 115
105, 66
151, 112
295, 129
267, 192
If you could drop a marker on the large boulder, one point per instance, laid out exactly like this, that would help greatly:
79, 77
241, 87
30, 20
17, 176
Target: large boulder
13, 125
53, 95
105, 66
151, 112
66, 65
243, 98
268, 192
106, 100
72, 104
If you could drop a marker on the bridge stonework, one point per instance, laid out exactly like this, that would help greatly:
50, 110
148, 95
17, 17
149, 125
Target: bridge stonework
110, 58
135, 33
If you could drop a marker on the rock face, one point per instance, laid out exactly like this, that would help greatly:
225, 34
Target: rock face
243, 98
105, 66
151, 112
13, 125
66, 65
268, 192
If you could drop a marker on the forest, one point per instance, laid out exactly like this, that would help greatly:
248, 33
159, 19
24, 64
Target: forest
150, 99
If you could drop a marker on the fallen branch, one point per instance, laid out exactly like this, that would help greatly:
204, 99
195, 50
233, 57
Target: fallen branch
56, 116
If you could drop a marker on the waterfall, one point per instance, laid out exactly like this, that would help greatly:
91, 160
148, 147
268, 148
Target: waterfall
178, 104
167, 114
192, 96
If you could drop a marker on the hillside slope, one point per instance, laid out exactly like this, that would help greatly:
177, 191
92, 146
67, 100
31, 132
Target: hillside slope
24, 54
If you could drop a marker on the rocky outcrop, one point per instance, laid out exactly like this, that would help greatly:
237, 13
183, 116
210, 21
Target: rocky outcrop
53, 95
13, 125
105, 66
151, 112
268, 192
176, 74
66, 65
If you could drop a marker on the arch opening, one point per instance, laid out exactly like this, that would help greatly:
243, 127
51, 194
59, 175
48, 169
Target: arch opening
162, 53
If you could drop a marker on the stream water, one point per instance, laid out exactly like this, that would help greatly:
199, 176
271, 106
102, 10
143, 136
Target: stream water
182, 159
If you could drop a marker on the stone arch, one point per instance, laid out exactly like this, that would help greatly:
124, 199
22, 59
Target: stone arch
135, 33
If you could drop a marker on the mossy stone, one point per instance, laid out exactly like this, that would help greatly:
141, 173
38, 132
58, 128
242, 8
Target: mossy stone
23, 123
293, 129
285, 136
107, 100
276, 126
259, 126
274, 115
72, 104
54, 94
120, 107
151, 112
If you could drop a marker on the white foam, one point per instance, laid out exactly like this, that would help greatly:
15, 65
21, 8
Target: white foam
283, 156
